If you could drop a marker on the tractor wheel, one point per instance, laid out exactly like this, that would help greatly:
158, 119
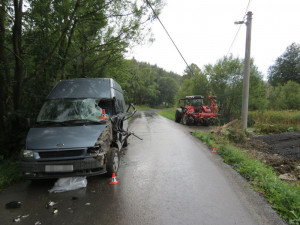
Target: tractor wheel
177, 116
113, 161
205, 123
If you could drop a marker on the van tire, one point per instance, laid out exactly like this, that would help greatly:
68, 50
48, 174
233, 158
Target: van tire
113, 161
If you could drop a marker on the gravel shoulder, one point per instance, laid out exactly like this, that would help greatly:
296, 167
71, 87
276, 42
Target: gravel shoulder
280, 151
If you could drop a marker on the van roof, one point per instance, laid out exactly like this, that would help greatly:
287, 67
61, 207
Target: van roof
85, 88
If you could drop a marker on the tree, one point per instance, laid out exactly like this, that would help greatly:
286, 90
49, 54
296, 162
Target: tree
190, 71
168, 89
286, 67
196, 84
226, 82
42, 42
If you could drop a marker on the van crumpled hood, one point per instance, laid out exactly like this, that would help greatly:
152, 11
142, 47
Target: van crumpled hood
63, 137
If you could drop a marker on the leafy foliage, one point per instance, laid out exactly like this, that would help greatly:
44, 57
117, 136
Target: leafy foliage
42, 42
226, 79
286, 67
9, 172
193, 84
286, 96
147, 84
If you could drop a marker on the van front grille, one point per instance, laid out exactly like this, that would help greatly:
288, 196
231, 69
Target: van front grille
60, 153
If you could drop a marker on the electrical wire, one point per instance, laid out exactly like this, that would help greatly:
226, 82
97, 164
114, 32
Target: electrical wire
236, 34
234, 39
169, 36
246, 10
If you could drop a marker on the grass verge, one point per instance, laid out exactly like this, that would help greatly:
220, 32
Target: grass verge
169, 113
284, 198
10, 172
275, 121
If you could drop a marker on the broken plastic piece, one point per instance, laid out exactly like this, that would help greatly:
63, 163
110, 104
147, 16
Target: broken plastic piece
13, 205
68, 184
50, 204
37, 223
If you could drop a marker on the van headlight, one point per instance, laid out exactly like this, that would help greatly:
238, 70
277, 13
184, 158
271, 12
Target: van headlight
27, 154
93, 151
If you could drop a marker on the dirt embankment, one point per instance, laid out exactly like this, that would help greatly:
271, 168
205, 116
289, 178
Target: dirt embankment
281, 151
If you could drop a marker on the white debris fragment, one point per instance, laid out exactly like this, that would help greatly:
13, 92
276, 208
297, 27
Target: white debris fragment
18, 219
55, 210
52, 203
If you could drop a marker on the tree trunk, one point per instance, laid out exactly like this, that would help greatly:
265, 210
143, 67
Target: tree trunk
17, 45
3, 67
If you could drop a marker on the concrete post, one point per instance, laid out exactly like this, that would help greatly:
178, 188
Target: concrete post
245, 99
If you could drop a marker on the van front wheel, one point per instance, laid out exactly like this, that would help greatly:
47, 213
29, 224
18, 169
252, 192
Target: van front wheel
113, 161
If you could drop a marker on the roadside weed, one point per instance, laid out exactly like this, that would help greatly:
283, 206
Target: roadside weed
275, 121
9, 172
169, 113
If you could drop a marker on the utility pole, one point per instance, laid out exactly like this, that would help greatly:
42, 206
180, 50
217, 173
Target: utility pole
245, 99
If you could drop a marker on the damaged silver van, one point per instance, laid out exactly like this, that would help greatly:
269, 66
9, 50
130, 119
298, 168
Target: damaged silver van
79, 131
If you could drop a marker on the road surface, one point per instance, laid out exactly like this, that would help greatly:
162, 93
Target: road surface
168, 178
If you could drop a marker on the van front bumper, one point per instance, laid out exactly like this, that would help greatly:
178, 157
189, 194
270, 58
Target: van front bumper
67, 168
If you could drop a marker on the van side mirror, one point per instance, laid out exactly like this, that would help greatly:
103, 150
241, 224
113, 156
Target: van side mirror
130, 113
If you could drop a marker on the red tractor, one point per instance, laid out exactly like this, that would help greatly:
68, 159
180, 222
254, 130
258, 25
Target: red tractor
195, 112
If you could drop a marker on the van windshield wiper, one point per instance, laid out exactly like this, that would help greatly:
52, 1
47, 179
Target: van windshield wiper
50, 121
84, 121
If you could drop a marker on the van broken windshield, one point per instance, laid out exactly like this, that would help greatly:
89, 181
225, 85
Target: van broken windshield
72, 111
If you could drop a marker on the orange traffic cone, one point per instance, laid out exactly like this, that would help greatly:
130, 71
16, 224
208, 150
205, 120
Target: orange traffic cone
113, 179
214, 150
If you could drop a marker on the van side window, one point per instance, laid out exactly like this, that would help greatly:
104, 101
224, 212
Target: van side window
120, 103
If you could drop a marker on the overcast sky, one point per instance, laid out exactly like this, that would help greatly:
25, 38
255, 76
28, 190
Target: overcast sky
203, 30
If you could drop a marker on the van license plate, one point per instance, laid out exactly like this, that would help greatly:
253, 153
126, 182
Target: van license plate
58, 168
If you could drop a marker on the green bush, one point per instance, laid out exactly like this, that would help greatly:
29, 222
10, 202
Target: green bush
10, 172
286, 96
275, 121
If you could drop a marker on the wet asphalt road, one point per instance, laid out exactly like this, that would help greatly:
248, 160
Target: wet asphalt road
168, 178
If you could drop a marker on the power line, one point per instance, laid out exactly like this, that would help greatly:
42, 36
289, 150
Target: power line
247, 10
170, 37
234, 39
